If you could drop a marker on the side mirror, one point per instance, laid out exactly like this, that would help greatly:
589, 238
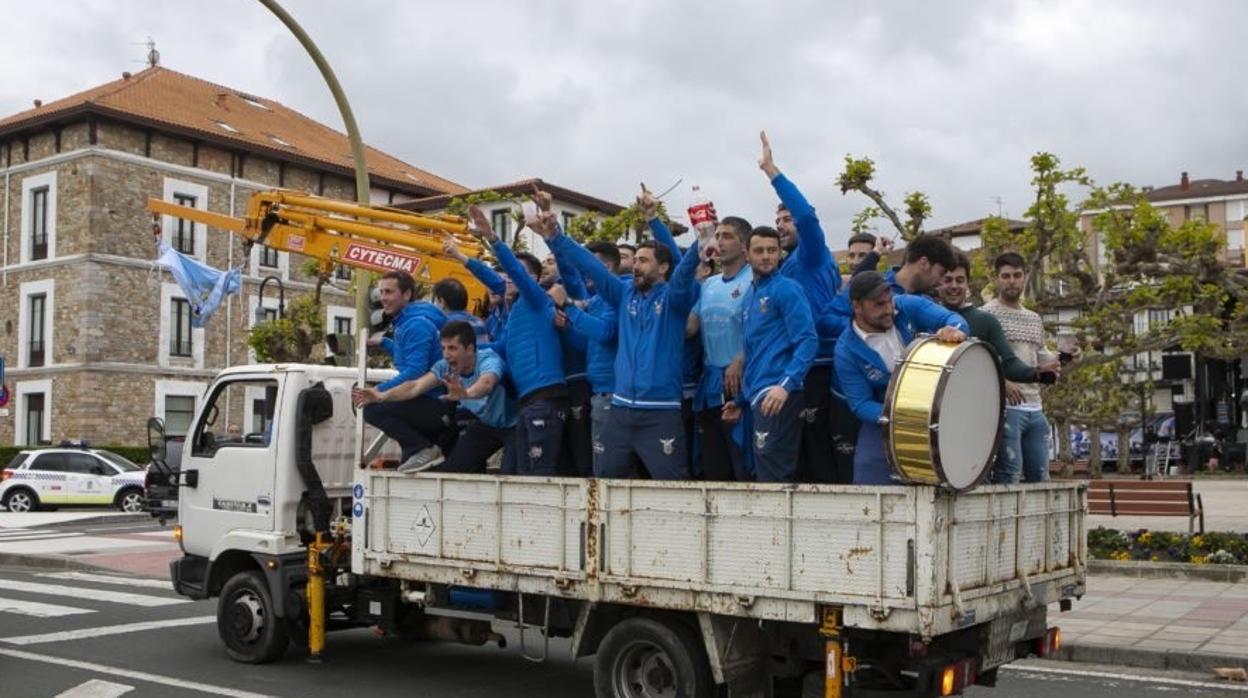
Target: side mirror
156, 448
189, 478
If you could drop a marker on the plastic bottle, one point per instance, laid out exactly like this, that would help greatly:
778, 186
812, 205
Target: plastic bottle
704, 219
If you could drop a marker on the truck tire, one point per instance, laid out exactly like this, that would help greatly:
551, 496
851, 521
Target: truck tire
252, 633
648, 658
20, 500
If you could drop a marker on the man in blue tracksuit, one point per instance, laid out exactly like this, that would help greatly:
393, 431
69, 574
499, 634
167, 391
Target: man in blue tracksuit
645, 408
780, 344
578, 451
812, 266
882, 326
424, 424
534, 359
597, 324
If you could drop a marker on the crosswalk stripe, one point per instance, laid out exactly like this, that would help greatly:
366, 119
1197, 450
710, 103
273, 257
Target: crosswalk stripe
109, 579
91, 594
96, 688
172, 682
83, 633
39, 610
37, 536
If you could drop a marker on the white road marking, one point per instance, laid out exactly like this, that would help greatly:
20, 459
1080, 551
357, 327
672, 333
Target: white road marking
36, 535
110, 579
1186, 683
131, 674
93, 594
84, 633
95, 688
39, 610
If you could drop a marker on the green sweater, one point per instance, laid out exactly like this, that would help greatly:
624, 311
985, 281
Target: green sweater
986, 327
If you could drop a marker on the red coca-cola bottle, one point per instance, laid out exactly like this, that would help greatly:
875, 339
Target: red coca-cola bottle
704, 219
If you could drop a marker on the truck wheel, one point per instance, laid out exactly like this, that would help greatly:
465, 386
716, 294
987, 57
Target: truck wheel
251, 631
647, 658
130, 501
20, 500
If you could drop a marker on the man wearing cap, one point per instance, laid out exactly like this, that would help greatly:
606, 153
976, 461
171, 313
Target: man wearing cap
881, 328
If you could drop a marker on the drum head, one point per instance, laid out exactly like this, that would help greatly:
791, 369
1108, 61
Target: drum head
969, 416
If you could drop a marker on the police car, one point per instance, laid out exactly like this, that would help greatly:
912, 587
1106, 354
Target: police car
52, 477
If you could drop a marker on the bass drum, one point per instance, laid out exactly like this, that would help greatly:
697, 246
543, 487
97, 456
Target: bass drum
945, 406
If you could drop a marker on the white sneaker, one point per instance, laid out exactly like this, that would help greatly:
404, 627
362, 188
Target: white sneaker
423, 459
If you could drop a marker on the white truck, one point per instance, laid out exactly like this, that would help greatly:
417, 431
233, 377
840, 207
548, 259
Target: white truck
678, 588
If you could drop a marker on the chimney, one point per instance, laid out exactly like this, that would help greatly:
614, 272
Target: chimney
1239, 175
38, 103
1184, 183
125, 75
221, 100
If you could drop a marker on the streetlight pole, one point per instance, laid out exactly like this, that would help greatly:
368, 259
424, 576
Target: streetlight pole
316, 581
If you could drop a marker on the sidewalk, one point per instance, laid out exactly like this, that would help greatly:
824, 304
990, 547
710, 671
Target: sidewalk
1160, 623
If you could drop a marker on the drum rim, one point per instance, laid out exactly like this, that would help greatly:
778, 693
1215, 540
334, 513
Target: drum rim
934, 436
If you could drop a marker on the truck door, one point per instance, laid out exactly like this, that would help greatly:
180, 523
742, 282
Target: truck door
228, 465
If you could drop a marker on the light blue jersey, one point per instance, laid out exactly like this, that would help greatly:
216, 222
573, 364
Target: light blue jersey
496, 409
719, 314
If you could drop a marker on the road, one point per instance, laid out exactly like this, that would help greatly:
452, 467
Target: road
104, 635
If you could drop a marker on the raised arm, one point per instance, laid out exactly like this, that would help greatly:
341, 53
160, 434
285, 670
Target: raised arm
649, 207
812, 247
571, 278
607, 285
681, 293
476, 267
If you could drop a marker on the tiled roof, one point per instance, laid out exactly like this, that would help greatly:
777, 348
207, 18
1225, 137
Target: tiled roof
1198, 189
523, 187
974, 227
160, 97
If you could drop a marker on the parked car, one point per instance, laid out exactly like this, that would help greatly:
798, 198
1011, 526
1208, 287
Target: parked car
70, 475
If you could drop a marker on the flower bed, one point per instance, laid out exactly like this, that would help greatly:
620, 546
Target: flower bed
1164, 546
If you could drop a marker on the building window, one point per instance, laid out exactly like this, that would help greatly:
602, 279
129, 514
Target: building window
180, 343
567, 219
1196, 211
269, 314
179, 411
342, 325
39, 223
184, 229
38, 314
34, 419
500, 221
268, 257
342, 272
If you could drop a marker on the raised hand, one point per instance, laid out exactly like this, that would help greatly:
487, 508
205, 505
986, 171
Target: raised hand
451, 249
766, 163
480, 225
455, 390
647, 204
546, 225
543, 199
883, 245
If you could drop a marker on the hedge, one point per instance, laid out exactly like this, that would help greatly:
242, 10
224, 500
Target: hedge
138, 454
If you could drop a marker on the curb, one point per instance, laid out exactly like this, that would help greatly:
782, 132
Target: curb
1177, 660
1169, 570
114, 519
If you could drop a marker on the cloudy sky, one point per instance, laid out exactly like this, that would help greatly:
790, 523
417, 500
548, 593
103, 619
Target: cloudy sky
950, 98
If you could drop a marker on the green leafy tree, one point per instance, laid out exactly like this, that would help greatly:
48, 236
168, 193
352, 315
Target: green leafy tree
858, 175
296, 337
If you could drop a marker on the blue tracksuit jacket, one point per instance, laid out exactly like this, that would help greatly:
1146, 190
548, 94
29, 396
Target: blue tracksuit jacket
863, 375
811, 265
779, 336
651, 328
415, 346
534, 354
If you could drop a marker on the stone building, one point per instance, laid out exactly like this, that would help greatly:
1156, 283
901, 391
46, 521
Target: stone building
95, 338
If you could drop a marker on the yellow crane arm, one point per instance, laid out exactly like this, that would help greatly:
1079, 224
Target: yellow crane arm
376, 238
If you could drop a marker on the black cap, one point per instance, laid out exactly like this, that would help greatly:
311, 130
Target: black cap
867, 284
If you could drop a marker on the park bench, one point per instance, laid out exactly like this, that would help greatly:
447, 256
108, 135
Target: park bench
1147, 498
